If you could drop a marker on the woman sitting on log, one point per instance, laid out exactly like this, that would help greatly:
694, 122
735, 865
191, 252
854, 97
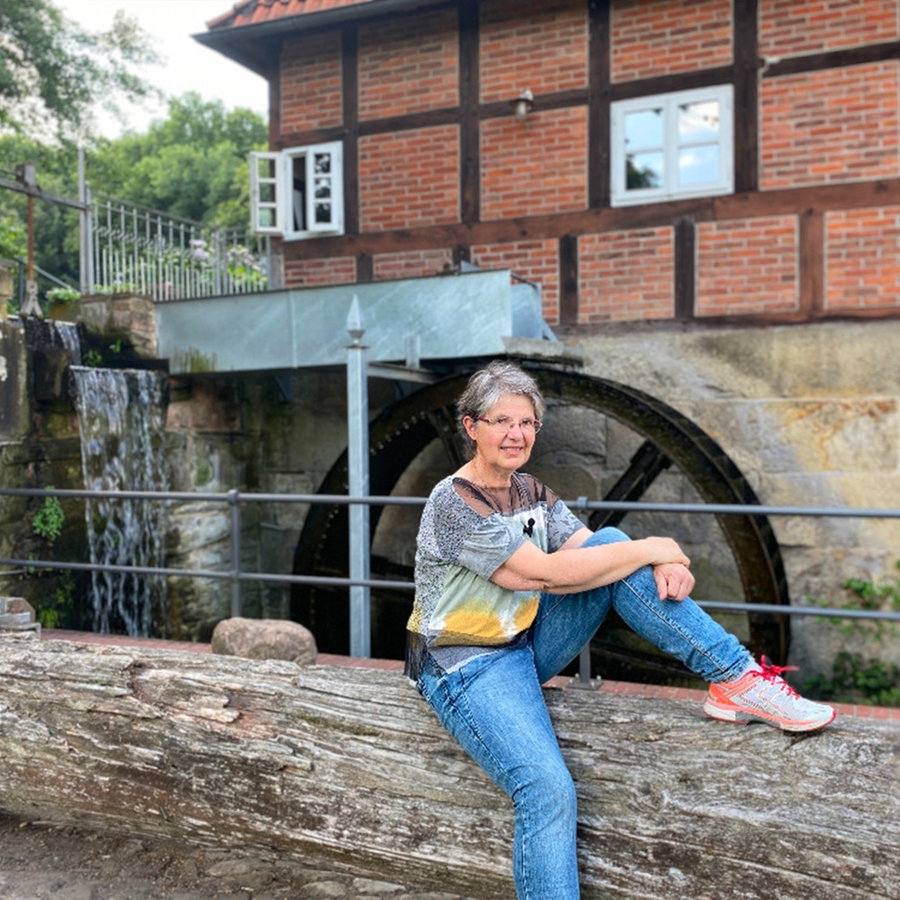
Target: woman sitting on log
510, 585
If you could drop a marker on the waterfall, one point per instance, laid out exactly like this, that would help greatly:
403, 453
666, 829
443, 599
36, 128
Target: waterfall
41, 333
121, 416
70, 339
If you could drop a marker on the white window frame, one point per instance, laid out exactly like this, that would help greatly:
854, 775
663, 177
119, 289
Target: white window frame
273, 197
621, 195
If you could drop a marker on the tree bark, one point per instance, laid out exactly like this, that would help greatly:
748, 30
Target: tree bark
348, 767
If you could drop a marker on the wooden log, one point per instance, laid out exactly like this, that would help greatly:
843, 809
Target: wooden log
347, 767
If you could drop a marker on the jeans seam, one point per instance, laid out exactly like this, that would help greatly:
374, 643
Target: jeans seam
655, 607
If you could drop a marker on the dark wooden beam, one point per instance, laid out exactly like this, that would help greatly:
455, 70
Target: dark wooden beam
598, 104
568, 280
350, 93
365, 268
811, 264
684, 278
821, 198
834, 59
746, 95
469, 89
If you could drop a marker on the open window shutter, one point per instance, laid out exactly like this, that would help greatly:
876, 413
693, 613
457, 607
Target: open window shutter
266, 214
325, 201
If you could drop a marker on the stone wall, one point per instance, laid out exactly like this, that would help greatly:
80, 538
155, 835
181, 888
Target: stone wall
811, 416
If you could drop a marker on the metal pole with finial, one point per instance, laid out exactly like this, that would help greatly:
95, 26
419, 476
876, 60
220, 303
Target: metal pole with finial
358, 466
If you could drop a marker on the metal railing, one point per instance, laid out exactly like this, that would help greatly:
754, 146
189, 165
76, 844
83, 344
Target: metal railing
237, 577
132, 248
45, 280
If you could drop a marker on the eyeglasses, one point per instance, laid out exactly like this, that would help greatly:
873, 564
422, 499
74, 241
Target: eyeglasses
506, 424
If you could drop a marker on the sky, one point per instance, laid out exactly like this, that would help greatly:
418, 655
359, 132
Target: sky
188, 65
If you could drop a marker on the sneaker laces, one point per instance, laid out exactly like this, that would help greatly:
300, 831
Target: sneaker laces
772, 674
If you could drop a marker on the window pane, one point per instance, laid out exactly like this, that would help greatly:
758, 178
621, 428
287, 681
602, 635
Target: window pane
698, 165
644, 129
323, 188
698, 121
265, 169
322, 163
323, 213
266, 218
644, 170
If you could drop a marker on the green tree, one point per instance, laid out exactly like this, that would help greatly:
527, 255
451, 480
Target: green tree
56, 227
53, 72
193, 164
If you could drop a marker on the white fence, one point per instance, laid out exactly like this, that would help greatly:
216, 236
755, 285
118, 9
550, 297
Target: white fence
151, 253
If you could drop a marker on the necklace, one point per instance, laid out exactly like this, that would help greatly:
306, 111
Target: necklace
479, 481
504, 499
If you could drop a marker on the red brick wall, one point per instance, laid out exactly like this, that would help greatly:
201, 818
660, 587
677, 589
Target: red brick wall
789, 27
317, 272
397, 77
668, 36
832, 126
412, 264
532, 44
311, 95
535, 166
536, 261
827, 127
747, 267
862, 258
626, 275
409, 178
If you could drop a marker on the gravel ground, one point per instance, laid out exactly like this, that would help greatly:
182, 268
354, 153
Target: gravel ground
40, 860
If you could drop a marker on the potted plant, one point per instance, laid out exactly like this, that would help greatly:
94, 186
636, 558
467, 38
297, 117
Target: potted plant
62, 303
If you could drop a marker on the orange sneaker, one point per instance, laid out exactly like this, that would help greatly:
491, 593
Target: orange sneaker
762, 695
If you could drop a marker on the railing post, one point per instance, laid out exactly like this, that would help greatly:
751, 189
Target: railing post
583, 678
358, 465
237, 604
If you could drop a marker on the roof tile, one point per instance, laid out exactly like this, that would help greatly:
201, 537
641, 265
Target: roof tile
254, 12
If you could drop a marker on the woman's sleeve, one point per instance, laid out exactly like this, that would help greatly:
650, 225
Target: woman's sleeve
465, 538
489, 546
562, 523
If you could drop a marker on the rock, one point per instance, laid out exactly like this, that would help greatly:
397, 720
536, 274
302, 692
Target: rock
265, 639
17, 615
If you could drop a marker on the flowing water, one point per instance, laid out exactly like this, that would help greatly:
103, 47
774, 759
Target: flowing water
70, 339
121, 414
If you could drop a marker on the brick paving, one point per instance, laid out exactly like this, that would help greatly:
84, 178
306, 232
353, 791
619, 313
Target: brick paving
622, 688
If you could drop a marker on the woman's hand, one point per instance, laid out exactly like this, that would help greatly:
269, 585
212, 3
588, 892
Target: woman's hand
661, 551
674, 581
574, 568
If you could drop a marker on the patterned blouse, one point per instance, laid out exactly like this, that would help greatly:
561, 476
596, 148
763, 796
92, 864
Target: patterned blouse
467, 532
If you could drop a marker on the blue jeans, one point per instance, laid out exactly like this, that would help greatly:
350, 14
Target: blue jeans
494, 707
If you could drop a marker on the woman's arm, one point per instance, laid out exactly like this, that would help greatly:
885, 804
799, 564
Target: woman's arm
575, 568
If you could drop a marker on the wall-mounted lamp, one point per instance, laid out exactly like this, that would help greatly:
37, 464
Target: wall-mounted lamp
523, 104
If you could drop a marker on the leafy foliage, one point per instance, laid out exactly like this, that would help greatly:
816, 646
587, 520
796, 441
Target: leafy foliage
52, 71
53, 75
194, 164
48, 521
856, 678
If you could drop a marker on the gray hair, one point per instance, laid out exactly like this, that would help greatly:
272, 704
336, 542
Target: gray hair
485, 388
